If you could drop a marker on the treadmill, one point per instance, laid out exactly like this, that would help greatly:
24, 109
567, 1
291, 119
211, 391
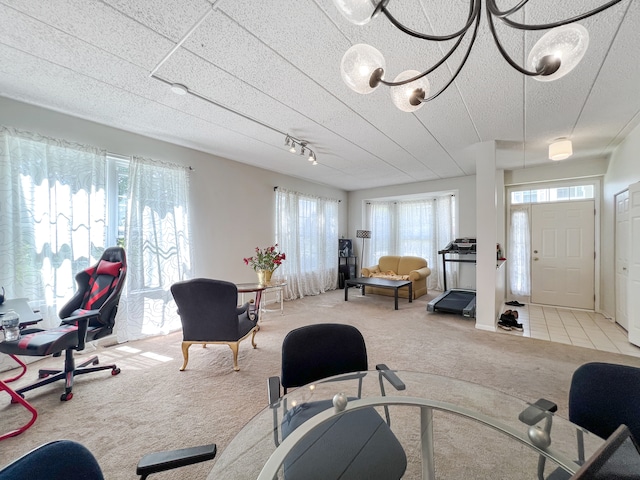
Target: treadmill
456, 300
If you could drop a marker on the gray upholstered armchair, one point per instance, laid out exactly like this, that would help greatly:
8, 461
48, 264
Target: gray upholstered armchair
209, 314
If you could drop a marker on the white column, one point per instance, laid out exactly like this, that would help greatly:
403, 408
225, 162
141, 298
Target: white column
486, 235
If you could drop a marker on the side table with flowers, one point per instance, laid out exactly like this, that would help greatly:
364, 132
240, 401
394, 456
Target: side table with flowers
265, 262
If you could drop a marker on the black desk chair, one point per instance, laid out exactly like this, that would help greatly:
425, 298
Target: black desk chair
64, 459
89, 315
356, 445
209, 313
602, 397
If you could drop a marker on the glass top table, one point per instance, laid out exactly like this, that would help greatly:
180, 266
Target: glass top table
448, 428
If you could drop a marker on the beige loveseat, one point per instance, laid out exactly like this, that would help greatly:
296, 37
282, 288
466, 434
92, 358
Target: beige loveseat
400, 268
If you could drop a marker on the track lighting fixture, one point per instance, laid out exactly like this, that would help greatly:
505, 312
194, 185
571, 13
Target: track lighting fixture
304, 148
554, 55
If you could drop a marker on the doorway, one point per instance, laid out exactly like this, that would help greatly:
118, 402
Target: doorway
563, 252
622, 257
552, 243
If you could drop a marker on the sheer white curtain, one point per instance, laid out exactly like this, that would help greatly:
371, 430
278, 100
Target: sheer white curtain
307, 232
519, 252
52, 216
157, 246
416, 227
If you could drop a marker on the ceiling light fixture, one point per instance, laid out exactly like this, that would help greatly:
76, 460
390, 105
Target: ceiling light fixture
560, 149
304, 148
554, 55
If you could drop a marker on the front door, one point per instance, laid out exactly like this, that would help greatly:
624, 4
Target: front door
622, 257
562, 254
633, 282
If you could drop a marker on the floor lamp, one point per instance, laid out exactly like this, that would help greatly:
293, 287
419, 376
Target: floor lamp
362, 234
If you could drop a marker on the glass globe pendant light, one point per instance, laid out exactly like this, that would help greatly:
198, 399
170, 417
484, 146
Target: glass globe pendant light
358, 63
358, 12
558, 52
408, 97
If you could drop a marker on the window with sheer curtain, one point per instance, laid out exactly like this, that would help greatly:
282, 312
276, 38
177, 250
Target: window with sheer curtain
157, 245
414, 227
307, 231
520, 250
62, 204
52, 216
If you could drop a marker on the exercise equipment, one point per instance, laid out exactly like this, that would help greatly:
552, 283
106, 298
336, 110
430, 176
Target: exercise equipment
456, 300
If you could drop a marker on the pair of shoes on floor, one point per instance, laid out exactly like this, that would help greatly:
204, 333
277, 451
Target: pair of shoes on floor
514, 303
508, 321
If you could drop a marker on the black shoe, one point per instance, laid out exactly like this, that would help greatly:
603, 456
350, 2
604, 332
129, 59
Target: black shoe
504, 326
514, 303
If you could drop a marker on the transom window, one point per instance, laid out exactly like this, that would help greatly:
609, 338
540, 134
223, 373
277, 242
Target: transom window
553, 194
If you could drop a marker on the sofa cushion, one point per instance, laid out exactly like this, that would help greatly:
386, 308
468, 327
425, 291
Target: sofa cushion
389, 262
407, 264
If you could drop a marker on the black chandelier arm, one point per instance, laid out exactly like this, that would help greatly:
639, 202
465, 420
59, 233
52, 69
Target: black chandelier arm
428, 71
501, 49
464, 60
474, 12
493, 9
511, 11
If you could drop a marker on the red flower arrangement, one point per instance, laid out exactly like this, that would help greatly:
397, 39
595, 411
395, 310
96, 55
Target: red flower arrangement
267, 259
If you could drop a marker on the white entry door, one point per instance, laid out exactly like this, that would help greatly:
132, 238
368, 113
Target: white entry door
562, 254
633, 297
622, 257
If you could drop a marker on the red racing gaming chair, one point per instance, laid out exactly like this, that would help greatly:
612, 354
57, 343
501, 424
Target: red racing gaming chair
89, 315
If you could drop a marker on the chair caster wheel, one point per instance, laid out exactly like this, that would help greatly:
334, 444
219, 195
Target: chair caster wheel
115, 371
95, 362
14, 400
43, 375
66, 396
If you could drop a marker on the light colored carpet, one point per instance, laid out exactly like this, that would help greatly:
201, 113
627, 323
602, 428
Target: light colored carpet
153, 406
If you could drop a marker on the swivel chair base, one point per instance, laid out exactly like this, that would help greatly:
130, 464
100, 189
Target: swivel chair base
70, 371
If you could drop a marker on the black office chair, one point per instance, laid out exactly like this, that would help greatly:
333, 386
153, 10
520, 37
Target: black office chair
356, 445
209, 314
601, 398
89, 315
65, 459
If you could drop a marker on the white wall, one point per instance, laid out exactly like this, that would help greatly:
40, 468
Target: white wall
232, 204
624, 169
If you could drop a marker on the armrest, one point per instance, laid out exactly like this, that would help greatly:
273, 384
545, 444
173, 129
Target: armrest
240, 309
273, 388
168, 460
82, 321
537, 411
420, 273
391, 377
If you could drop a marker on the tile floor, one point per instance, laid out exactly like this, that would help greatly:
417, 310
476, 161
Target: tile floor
573, 327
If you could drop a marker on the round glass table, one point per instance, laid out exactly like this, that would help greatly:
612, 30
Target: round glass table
448, 429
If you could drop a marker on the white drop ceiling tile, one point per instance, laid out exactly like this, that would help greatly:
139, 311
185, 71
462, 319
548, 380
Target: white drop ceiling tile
89, 22
553, 108
170, 18
618, 77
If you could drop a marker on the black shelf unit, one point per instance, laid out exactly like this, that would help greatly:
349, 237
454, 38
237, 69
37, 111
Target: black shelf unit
347, 269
